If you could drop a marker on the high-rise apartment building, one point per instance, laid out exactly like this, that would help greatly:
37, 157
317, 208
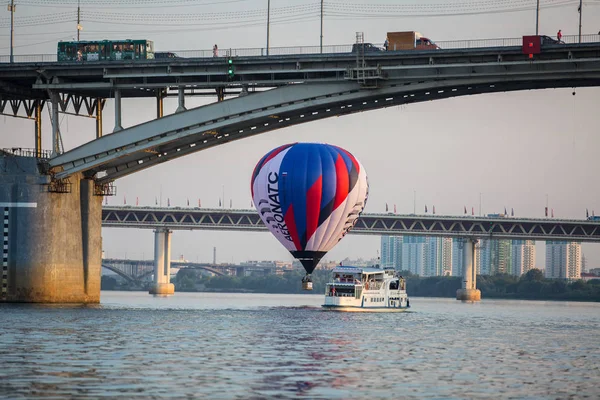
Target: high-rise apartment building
563, 260
458, 257
436, 256
391, 252
414, 252
523, 256
514, 257
447, 252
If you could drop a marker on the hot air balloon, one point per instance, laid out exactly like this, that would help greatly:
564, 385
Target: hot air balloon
309, 195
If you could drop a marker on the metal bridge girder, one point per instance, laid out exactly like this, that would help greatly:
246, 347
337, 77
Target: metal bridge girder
375, 224
177, 135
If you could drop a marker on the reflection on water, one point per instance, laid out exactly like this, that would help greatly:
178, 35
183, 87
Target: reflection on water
206, 345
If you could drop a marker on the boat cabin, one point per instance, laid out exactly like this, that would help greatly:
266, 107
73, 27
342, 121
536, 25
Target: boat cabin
351, 281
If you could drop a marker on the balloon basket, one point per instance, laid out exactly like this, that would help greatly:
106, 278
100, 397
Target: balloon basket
307, 286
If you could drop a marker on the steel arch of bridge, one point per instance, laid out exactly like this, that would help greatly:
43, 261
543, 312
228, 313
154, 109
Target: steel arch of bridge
121, 273
142, 146
120, 267
368, 224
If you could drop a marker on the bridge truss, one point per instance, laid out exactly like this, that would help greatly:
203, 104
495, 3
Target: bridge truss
368, 224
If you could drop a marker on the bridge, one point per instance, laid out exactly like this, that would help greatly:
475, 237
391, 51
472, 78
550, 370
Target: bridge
139, 271
63, 221
368, 224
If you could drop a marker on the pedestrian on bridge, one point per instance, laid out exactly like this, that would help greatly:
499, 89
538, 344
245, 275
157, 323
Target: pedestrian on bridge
215, 51
559, 36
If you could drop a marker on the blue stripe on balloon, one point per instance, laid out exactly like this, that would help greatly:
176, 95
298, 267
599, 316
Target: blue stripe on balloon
295, 164
328, 156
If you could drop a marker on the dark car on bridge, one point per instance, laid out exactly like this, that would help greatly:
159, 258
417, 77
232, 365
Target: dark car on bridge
367, 48
163, 55
548, 40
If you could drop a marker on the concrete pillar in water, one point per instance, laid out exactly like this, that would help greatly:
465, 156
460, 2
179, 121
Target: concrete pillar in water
52, 249
162, 263
469, 289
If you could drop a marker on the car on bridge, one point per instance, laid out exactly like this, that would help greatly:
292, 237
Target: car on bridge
545, 40
366, 48
163, 55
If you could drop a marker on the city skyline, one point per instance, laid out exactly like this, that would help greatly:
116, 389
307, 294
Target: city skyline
437, 256
519, 150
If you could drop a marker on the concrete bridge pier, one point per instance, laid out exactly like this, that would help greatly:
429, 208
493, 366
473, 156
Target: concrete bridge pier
52, 244
469, 289
162, 263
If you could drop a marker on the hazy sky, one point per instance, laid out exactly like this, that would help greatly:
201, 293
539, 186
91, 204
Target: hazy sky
513, 148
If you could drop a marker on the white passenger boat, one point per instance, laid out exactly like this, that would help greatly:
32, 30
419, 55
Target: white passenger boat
366, 289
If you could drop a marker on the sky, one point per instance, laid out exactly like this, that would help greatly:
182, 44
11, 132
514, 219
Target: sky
516, 150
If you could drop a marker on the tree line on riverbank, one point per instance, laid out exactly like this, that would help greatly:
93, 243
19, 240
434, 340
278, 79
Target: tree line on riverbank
531, 285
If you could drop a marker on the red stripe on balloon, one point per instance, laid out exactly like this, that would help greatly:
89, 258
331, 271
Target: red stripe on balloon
313, 207
342, 182
290, 221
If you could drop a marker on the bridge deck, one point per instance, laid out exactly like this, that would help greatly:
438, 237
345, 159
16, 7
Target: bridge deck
142, 77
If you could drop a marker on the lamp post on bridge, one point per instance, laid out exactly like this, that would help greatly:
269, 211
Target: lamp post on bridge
580, 9
11, 8
268, 17
537, 18
321, 45
79, 27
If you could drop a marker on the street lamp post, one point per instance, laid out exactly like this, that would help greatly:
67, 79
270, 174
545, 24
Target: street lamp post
321, 47
580, 12
268, 17
11, 8
537, 18
78, 19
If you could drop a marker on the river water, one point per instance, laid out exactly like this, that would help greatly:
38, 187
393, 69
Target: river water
255, 346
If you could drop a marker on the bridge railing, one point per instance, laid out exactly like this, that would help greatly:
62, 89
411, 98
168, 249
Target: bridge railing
23, 152
304, 50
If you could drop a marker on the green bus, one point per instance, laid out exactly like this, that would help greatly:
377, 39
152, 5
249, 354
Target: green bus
105, 50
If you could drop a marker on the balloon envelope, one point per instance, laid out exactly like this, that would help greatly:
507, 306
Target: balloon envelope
309, 195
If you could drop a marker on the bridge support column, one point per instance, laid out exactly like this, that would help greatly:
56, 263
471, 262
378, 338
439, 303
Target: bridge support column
159, 103
220, 93
181, 99
162, 263
55, 127
469, 289
38, 128
99, 102
52, 244
118, 126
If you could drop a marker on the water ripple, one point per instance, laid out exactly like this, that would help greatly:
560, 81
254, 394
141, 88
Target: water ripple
241, 346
